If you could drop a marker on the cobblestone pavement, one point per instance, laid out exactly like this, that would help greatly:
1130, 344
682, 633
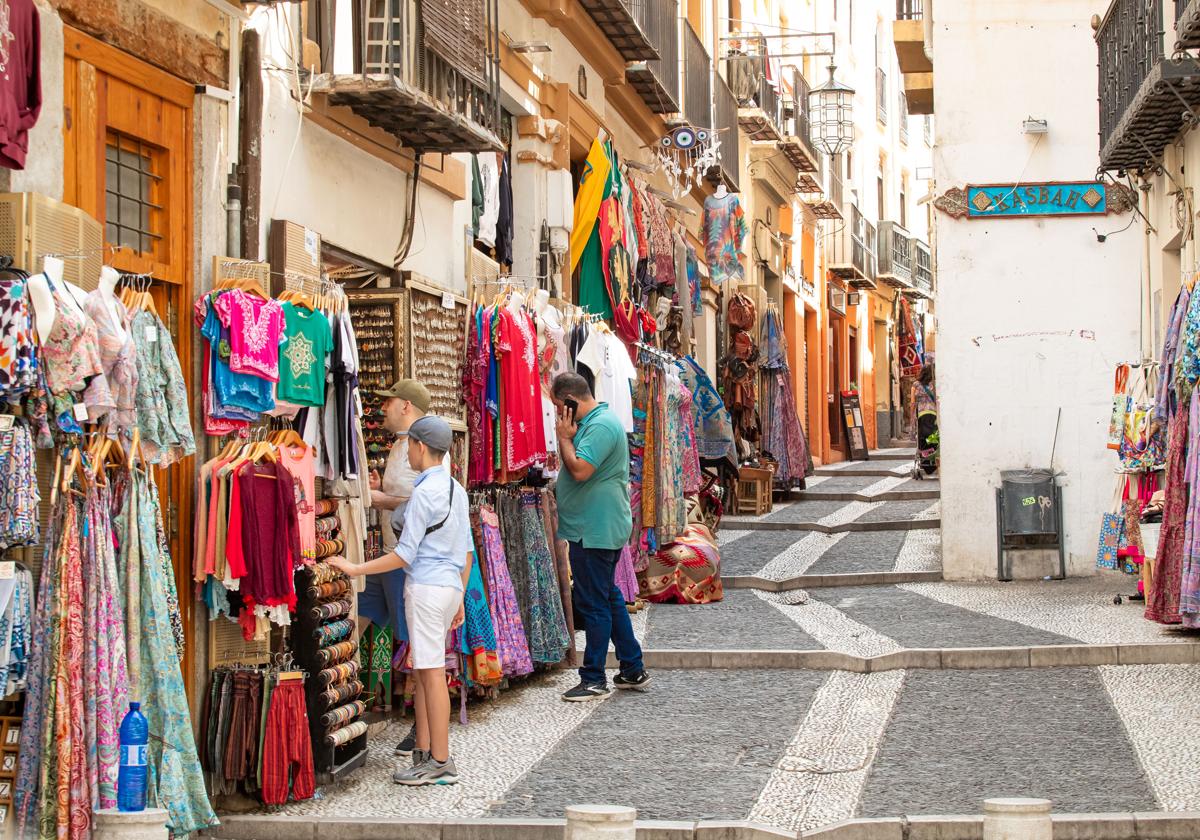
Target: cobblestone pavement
504, 739
809, 511
820, 777
831, 512
957, 736
778, 555
921, 484
1152, 700
1080, 608
832, 628
755, 549
869, 551
700, 746
890, 463
921, 552
868, 485
926, 615
802, 749
742, 621
901, 511
845, 484
915, 621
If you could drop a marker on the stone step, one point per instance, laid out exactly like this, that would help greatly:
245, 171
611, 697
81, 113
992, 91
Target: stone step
1141, 825
825, 581
844, 527
876, 472
944, 659
789, 554
873, 620
818, 495
898, 449
833, 512
880, 463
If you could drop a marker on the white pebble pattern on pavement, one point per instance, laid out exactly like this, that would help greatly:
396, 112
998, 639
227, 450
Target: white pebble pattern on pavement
820, 777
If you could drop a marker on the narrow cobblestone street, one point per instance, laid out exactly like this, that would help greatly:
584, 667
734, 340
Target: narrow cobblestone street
800, 747
360, 358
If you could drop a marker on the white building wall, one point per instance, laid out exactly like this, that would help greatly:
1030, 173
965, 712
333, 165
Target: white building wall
1032, 313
